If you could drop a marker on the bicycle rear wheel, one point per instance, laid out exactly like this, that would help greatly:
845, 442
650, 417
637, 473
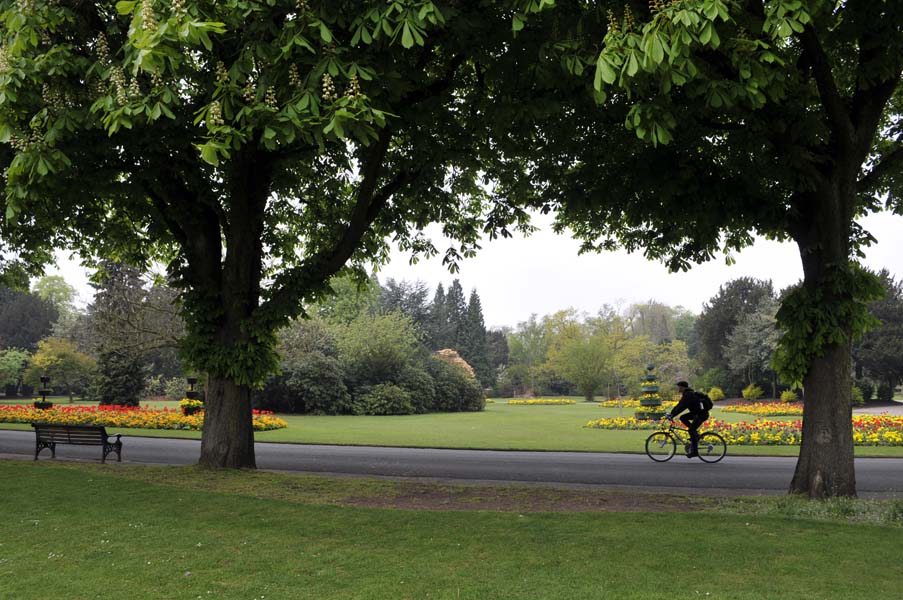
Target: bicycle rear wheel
660, 446
712, 447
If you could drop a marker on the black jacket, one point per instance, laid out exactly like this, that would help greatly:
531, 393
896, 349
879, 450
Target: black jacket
689, 402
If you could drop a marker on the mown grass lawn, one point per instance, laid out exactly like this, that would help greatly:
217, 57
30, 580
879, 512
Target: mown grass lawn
500, 427
87, 531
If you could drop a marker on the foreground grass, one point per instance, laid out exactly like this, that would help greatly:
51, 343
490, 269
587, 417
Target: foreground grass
86, 531
499, 427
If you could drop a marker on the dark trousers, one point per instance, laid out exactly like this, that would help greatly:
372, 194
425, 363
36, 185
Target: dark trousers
693, 421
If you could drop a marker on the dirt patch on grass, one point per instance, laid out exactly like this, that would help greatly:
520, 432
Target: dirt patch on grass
417, 496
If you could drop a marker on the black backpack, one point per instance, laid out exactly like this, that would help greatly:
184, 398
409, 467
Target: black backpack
704, 401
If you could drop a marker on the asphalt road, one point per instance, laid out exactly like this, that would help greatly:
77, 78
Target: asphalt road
876, 477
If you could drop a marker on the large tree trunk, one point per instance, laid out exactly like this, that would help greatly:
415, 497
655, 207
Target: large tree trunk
228, 439
825, 466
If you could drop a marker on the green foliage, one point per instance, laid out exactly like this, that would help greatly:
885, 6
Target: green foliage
24, 319
63, 363
716, 394
753, 392
12, 365
373, 349
866, 387
815, 317
421, 386
582, 355
879, 352
472, 344
174, 388
56, 291
119, 379
350, 298
244, 142
455, 389
789, 396
885, 392
384, 399
856, 394
171, 388
734, 303
313, 382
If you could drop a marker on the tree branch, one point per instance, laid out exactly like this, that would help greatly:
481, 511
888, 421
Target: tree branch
313, 274
891, 160
831, 99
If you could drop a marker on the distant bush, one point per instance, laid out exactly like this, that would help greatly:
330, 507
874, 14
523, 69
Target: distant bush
174, 388
858, 400
789, 396
311, 383
867, 388
456, 389
716, 394
384, 399
119, 380
421, 386
752, 392
885, 392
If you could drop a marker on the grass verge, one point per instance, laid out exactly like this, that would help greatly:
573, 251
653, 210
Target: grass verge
87, 531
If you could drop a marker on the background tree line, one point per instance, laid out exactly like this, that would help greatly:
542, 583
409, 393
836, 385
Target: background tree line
368, 335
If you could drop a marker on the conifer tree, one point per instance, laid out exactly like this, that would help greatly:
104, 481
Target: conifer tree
438, 321
472, 341
456, 308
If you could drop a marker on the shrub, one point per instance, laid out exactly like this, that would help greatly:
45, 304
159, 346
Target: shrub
375, 348
421, 386
789, 396
119, 380
384, 399
312, 383
174, 388
885, 392
456, 390
318, 382
867, 388
753, 392
716, 394
858, 400
718, 378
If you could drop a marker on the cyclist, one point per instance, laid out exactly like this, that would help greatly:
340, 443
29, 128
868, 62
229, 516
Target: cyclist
695, 417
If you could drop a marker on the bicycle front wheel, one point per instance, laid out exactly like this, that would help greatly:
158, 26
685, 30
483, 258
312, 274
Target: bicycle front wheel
660, 446
712, 447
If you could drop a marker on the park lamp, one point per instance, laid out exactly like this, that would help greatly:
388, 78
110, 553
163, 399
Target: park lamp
44, 381
191, 394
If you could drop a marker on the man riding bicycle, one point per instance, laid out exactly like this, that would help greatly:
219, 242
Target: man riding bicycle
695, 417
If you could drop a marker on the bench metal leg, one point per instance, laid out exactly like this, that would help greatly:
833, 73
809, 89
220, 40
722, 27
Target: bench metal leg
41, 445
109, 448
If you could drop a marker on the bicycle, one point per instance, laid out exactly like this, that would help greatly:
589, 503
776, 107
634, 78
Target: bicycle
662, 445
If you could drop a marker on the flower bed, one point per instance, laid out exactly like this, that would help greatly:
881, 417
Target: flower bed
124, 417
538, 401
635, 404
766, 409
868, 430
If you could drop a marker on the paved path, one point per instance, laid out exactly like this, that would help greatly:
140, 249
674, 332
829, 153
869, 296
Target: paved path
876, 477
892, 408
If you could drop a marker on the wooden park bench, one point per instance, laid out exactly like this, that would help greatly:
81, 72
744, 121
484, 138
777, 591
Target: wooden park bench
48, 436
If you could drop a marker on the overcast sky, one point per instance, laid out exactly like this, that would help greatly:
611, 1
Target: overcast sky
543, 273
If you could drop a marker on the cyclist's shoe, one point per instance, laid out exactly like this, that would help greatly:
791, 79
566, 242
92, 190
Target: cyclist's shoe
692, 453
